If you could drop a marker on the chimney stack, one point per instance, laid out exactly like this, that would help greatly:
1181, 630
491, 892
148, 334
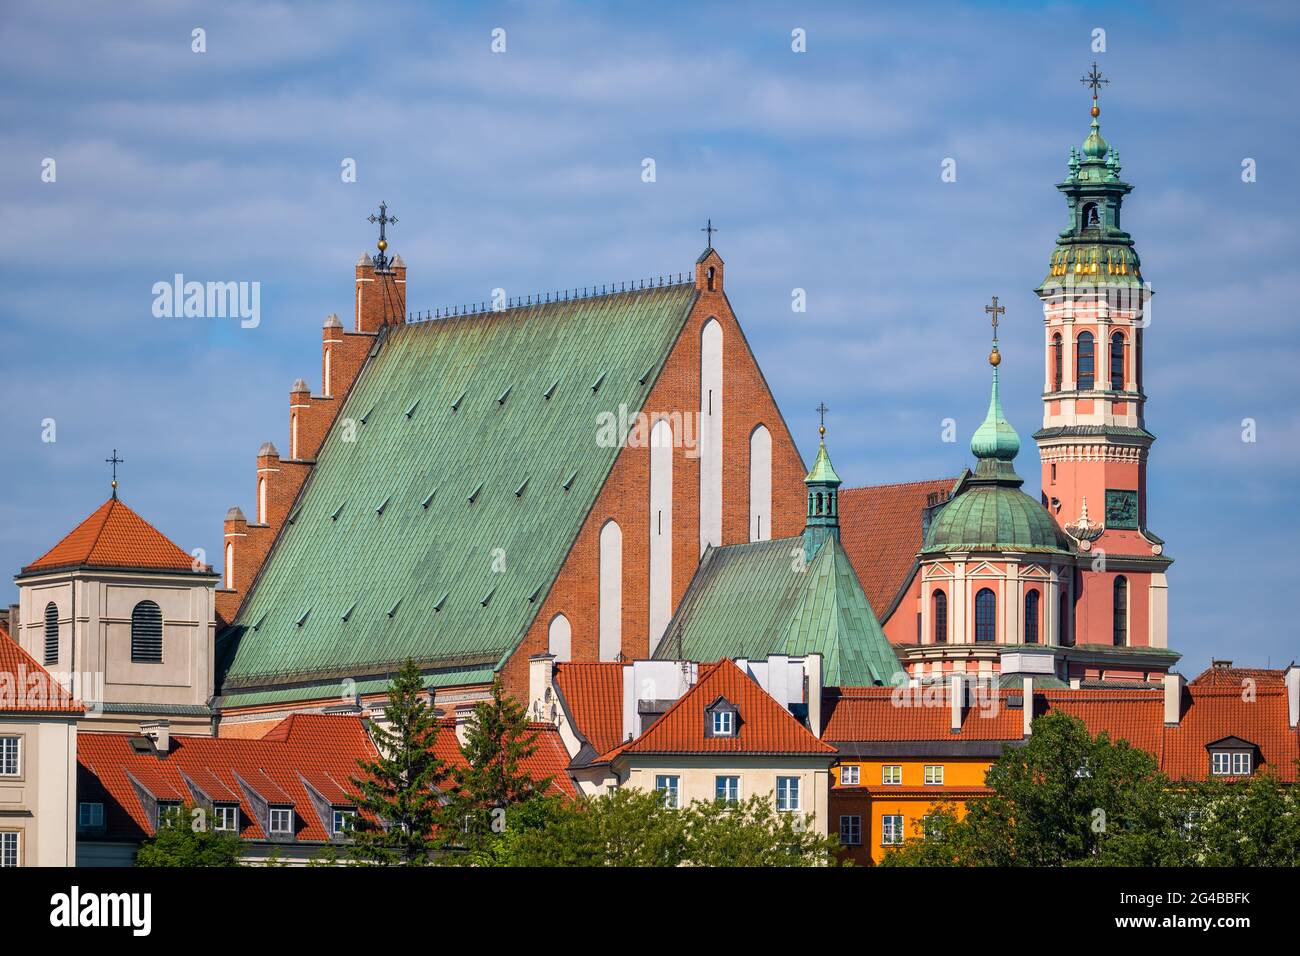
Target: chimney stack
1027, 712
1291, 677
160, 731
957, 695
541, 687
813, 671
1174, 684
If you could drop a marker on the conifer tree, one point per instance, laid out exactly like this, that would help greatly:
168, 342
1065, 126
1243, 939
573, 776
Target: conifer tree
493, 782
397, 796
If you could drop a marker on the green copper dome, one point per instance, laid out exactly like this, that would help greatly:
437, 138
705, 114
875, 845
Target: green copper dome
995, 438
991, 513
1094, 147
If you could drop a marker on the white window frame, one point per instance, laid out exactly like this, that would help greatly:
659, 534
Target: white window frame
96, 815
11, 754
347, 815
850, 775
891, 829
850, 835
219, 812
934, 775
733, 791
670, 785
164, 808
1218, 757
724, 723
11, 848
888, 776
1241, 764
789, 794
272, 813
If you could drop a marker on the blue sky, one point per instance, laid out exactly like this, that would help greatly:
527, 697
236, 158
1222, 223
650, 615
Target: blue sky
522, 170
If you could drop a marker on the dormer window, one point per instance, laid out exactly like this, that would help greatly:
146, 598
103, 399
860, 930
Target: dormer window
343, 822
225, 817
721, 719
281, 820
169, 812
1232, 757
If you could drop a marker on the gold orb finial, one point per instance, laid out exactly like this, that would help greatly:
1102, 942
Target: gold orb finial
383, 244
1096, 110
995, 359
821, 430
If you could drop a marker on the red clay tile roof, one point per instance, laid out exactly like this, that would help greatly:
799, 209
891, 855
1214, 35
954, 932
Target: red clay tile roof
1234, 676
549, 759
886, 713
322, 749
1137, 715
20, 694
880, 529
1212, 713
114, 537
764, 726
593, 695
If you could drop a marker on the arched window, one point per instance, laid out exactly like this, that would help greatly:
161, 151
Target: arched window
293, 436
146, 633
1121, 611
326, 390
939, 606
1091, 217
230, 565
261, 501
819, 502
51, 633
610, 588
1031, 617
560, 638
1086, 361
1057, 362
1066, 640
986, 615
711, 275
1117, 361
760, 484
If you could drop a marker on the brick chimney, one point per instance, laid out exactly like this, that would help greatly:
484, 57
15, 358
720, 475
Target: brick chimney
381, 295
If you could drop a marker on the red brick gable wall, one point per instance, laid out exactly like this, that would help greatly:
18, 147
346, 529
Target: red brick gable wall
747, 403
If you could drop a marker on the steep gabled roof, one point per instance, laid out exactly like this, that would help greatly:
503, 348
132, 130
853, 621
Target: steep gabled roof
880, 529
763, 725
20, 694
1225, 675
757, 599
114, 536
548, 759
593, 695
1214, 712
450, 489
873, 714
313, 750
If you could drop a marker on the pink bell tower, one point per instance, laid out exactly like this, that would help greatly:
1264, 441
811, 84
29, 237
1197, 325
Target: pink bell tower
1094, 444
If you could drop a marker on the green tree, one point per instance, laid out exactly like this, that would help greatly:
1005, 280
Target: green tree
489, 791
628, 827
753, 833
1063, 798
184, 839
399, 804
1254, 822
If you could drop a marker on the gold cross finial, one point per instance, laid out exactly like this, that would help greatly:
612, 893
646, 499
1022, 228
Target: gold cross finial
994, 310
821, 410
114, 461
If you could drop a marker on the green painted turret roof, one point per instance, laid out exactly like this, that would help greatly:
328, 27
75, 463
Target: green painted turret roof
752, 600
822, 472
436, 532
995, 438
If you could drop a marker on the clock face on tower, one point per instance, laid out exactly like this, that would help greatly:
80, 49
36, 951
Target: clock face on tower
1121, 509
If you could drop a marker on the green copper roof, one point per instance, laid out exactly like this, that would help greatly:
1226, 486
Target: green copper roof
1093, 249
752, 600
991, 513
995, 438
437, 530
822, 471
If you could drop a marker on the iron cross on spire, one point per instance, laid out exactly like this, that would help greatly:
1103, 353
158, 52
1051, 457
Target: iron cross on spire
995, 310
821, 410
381, 260
1095, 80
710, 231
114, 461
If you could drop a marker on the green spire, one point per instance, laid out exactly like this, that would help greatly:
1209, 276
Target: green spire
1094, 147
823, 518
995, 438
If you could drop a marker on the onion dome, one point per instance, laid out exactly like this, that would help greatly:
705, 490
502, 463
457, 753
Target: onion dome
991, 513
